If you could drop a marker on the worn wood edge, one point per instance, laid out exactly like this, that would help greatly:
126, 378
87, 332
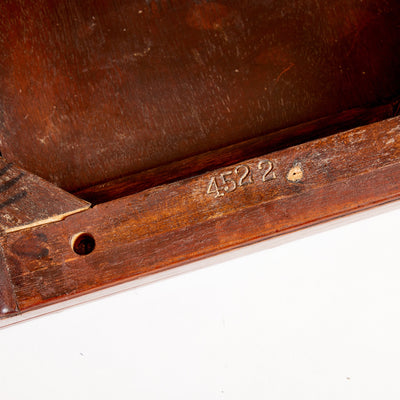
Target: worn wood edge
27, 200
207, 262
203, 261
29, 189
390, 171
54, 218
8, 301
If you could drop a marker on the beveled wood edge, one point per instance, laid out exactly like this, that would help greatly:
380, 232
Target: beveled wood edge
280, 240
378, 195
27, 200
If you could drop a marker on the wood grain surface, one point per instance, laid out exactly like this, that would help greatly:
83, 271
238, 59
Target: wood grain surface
255, 147
8, 303
27, 200
96, 90
163, 227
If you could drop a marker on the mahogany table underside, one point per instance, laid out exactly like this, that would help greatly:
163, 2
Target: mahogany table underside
140, 135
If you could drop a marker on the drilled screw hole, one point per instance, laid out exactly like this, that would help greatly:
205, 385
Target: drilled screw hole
83, 244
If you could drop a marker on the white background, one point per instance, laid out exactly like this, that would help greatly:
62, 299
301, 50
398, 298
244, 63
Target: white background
315, 318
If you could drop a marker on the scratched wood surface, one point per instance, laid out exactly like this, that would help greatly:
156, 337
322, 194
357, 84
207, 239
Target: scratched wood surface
210, 160
163, 227
27, 200
94, 90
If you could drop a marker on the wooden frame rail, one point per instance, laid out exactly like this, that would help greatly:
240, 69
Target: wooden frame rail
66, 254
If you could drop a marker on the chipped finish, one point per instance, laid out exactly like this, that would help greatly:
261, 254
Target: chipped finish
163, 227
95, 91
295, 174
27, 200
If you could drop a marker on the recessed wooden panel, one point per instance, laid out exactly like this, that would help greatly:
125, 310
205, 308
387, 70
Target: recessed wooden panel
95, 90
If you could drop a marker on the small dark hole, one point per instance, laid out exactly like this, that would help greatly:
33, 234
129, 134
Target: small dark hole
83, 244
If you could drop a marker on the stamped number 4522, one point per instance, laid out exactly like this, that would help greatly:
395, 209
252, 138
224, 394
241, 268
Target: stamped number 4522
242, 175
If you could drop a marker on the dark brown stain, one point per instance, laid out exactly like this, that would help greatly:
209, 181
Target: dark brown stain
5, 169
31, 247
13, 199
10, 183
